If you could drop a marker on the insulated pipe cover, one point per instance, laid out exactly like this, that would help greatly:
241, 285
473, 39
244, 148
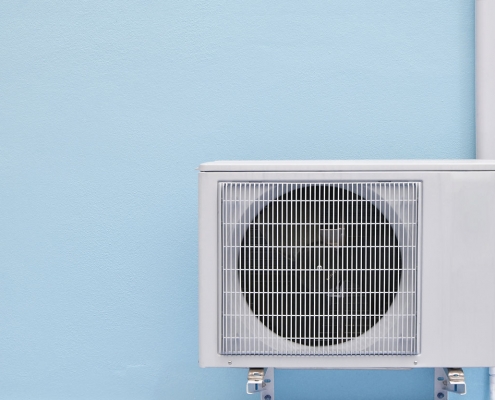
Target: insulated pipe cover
485, 79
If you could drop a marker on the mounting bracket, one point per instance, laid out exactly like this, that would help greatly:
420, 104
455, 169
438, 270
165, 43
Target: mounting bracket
449, 380
262, 381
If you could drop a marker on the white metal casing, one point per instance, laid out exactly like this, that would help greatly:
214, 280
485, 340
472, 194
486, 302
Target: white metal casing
457, 257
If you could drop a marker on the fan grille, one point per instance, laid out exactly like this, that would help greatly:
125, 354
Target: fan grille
312, 268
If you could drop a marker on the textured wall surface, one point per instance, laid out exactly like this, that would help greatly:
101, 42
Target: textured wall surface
107, 107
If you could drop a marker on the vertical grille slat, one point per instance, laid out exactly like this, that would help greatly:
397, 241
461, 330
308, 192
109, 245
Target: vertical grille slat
320, 268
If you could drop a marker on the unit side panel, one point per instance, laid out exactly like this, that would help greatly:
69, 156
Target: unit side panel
466, 295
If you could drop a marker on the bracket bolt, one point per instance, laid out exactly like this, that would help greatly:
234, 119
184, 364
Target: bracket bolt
440, 395
268, 397
230, 363
415, 363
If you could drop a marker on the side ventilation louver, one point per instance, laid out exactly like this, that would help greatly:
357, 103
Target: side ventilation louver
319, 268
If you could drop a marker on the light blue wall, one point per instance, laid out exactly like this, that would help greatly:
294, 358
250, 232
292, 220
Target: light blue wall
106, 108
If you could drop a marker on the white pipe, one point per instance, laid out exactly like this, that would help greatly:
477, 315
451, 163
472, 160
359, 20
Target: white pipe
492, 382
485, 95
485, 79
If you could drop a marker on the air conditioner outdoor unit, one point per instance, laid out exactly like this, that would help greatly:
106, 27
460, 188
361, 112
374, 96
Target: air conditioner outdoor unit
347, 264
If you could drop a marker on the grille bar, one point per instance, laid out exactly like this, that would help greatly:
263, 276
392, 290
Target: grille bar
324, 268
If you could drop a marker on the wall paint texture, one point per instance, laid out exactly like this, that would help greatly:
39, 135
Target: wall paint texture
107, 107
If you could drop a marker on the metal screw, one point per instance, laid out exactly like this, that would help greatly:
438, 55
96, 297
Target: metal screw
268, 397
440, 395
230, 363
415, 363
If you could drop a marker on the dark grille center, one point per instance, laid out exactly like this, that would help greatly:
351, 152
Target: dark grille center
319, 265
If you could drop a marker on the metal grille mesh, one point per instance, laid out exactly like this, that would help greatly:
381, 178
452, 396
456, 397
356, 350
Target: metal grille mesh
319, 268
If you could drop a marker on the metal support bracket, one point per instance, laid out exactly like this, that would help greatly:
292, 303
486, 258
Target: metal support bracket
449, 380
262, 381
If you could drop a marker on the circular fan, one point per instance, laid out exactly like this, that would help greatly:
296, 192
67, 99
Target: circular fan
319, 265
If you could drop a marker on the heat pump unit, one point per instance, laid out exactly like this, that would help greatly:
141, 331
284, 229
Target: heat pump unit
347, 264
